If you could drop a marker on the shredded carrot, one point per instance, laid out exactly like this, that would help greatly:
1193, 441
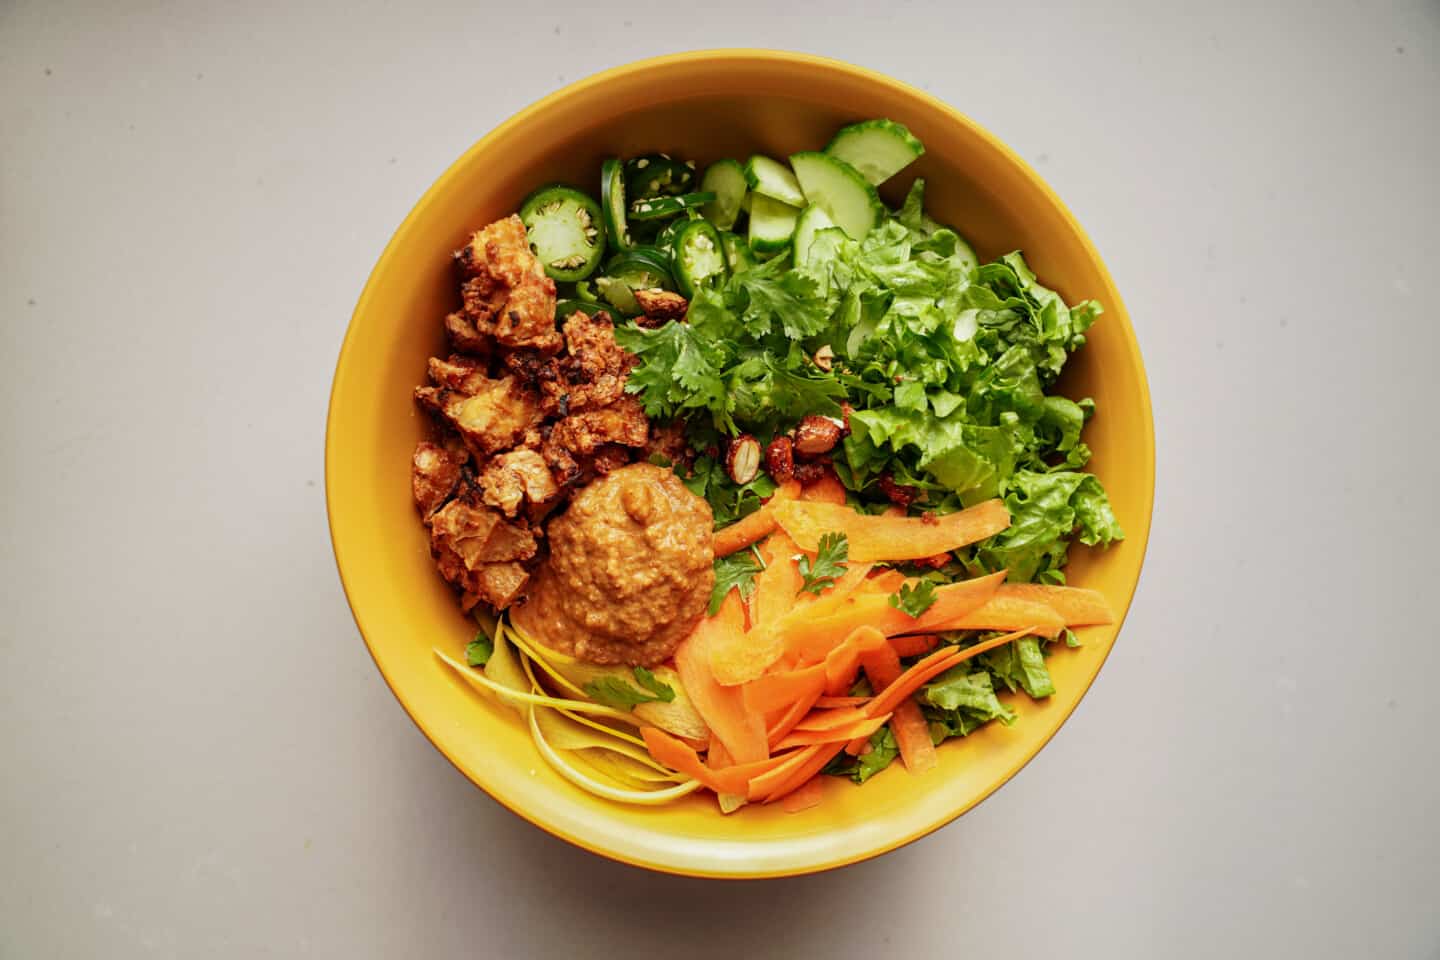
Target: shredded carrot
743, 532
890, 538
1003, 612
722, 708
886, 581
809, 767
936, 663
776, 690
820, 721
812, 638
1078, 606
842, 664
907, 723
831, 703
804, 796
778, 584
762, 785
860, 727
785, 721
913, 645
828, 489
676, 755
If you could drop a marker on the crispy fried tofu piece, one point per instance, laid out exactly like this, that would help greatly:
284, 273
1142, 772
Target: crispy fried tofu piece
660, 307
590, 375
434, 475
479, 552
506, 293
462, 374
463, 336
622, 422
513, 479
668, 440
492, 416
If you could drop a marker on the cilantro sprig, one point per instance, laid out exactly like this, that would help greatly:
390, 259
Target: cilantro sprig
479, 650
830, 562
914, 600
613, 691
735, 572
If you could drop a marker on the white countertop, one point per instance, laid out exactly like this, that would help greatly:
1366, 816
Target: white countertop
199, 760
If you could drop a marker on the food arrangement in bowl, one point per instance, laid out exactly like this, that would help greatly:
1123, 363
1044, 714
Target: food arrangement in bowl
752, 482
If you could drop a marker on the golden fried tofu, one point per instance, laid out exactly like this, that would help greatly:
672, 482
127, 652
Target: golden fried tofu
590, 374
434, 475
513, 479
493, 416
479, 552
463, 336
457, 373
506, 293
622, 422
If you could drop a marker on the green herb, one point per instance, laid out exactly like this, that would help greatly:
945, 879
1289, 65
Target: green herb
959, 702
883, 750
1020, 666
735, 572
914, 600
614, 692
829, 563
478, 651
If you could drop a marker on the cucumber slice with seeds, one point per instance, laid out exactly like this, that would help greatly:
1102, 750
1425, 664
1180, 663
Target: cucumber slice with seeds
772, 224
840, 190
612, 203
565, 230
726, 179
879, 149
771, 178
812, 221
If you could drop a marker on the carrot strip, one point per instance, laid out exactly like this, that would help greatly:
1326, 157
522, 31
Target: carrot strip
808, 768
676, 755
777, 585
886, 581
812, 638
890, 538
882, 666
762, 785
719, 758
913, 645
786, 721
776, 690
842, 664
722, 708
1078, 606
855, 729
828, 489
820, 721
857, 746
804, 796
1004, 612
936, 663
831, 703
743, 532
912, 736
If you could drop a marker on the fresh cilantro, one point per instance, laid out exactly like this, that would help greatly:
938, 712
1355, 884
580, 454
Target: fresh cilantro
829, 563
735, 572
478, 651
613, 691
914, 600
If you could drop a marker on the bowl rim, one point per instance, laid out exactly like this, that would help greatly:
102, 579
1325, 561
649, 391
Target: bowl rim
1146, 458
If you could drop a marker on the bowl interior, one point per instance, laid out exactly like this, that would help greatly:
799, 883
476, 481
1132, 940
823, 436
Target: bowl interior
701, 107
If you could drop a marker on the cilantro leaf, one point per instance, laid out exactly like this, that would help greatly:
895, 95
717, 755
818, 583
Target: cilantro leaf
613, 691
915, 600
478, 651
735, 572
830, 561
679, 371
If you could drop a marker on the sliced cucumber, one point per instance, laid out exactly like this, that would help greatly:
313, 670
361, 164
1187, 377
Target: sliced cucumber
699, 257
771, 178
879, 149
738, 256
612, 203
838, 188
659, 208
566, 231
772, 224
725, 179
812, 221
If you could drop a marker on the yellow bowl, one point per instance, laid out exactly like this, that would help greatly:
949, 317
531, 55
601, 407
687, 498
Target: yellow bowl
703, 106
